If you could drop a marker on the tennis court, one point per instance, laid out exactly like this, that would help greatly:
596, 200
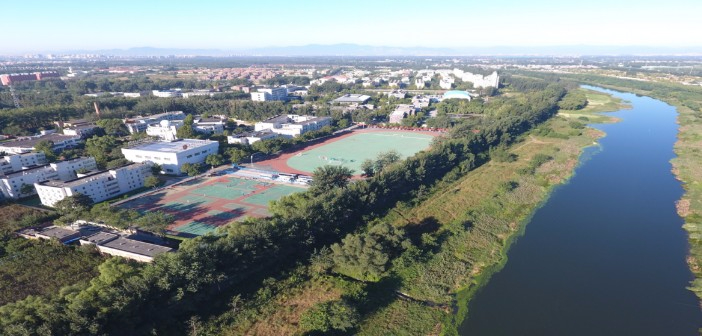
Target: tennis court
353, 150
202, 205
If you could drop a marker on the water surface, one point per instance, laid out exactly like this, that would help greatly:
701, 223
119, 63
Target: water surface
606, 254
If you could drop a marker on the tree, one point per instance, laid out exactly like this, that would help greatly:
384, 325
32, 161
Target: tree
27, 189
329, 177
237, 155
102, 149
385, 159
152, 181
191, 169
329, 316
155, 221
47, 147
368, 167
366, 256
113, 126
73, 207
214, 160
156, 169
186, 131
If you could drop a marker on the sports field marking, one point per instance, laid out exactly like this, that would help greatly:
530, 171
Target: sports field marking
353, 150
273, 193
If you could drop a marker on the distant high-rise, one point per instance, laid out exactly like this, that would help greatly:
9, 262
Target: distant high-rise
9, 79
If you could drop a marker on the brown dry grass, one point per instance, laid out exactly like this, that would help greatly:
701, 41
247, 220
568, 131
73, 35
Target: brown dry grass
284, 320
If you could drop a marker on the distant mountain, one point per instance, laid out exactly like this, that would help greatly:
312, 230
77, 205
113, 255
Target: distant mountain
347, 49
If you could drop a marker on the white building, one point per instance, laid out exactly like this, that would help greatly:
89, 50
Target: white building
479, 81
140, 124
166, 129
271, 94
251, 137
17, 162
11, 184
60, 142
166, 93
446, 83
99, 186
172, 155
400, 112
292, 125
352, 98
213, 125
399, 94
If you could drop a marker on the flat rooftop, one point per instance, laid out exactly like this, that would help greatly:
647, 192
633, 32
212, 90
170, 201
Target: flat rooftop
136, 247
100, 237
57, 232
171, 147
352, 98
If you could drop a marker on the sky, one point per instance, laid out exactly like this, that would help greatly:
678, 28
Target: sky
50, 25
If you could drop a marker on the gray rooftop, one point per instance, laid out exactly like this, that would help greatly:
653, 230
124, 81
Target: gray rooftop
100, 237
136, 247
57, 232
352, 98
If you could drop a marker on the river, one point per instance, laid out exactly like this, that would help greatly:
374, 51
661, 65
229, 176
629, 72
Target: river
605, 255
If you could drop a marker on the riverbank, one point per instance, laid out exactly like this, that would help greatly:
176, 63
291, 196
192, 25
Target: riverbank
687, 166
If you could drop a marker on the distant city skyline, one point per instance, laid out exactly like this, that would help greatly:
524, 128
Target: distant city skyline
226, 25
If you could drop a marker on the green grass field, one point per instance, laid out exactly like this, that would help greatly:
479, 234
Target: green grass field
352, 151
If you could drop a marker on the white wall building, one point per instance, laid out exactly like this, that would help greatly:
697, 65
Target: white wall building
479, 81
140, 124
27, 145
17, 162
292, 125
209, 125
400, 112
251, 137
172, 155
166, 93
99, 186
166, 129
270, 94
11, 184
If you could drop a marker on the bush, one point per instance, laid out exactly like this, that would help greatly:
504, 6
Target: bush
329, 316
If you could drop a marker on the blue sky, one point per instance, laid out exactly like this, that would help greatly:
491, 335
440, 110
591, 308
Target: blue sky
33, 25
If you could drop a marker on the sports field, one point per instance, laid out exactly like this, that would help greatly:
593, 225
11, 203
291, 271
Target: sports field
202, 205
351, 151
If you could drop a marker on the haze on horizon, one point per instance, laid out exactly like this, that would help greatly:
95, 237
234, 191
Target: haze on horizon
227, 25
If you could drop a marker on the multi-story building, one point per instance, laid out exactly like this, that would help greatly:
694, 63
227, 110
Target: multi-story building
400, 112
9, 79
270, 94
60, 142
11, 184
292, 125
17, 162
212, 125
479, 81
166, 129
251, 137
139, 124
172, 155
99, 186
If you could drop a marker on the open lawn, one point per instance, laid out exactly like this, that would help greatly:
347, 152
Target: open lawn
202, 205
353, 150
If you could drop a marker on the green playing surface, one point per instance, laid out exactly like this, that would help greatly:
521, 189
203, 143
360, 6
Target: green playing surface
352, 151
